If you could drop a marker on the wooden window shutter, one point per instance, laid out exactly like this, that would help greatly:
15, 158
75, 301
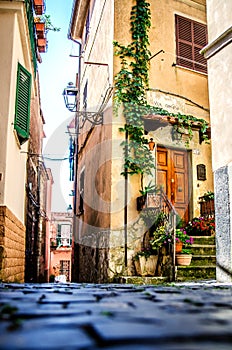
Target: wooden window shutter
22, 104
191, 37
200, 40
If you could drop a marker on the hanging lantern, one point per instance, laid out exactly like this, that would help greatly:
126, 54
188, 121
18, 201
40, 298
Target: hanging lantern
70, 97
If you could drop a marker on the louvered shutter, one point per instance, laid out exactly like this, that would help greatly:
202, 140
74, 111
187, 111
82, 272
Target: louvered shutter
191, 37
22, 104
200, 40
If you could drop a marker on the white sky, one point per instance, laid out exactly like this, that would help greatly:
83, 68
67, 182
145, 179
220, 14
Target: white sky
55, 71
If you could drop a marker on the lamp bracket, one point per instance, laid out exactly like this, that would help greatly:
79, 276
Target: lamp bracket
95, 118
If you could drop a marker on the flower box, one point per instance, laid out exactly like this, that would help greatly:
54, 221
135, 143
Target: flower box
39, 6
40, 30
42, 45
150, 200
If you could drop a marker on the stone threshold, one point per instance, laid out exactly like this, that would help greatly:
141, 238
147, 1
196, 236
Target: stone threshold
142, 280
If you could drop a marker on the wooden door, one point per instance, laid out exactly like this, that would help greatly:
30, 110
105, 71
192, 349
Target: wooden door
172, 175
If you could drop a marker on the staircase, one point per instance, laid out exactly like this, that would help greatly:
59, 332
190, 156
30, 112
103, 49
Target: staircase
203, 264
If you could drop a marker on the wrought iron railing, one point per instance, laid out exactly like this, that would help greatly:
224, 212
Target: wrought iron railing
160, 201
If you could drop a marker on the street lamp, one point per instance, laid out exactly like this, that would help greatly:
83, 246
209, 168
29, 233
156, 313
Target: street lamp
70, 97
69, 209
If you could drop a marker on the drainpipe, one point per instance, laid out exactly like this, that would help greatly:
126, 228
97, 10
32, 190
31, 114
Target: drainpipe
76, 259
125, 202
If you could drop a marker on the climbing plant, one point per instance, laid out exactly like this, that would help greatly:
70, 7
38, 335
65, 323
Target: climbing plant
131, 85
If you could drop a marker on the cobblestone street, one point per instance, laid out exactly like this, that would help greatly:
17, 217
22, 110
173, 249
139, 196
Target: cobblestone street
180, 316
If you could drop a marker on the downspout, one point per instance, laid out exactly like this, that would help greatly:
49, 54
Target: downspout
76, 253
38, 238
125, 201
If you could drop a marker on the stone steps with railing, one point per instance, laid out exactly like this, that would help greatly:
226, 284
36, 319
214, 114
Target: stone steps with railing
203, 264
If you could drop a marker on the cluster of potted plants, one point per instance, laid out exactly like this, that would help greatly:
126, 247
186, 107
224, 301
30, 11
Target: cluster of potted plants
183, 244
201, 226
42, 25
160, 235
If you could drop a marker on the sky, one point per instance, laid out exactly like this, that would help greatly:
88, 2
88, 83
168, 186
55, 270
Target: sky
55, 71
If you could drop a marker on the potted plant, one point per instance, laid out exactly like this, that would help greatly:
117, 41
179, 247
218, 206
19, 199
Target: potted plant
43, 24
201, 226
184, 258
39, 27
149, 198
42, 44
39, 6
182, 239
147, 262
207, 204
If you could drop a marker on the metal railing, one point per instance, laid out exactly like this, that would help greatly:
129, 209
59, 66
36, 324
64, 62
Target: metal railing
161, 202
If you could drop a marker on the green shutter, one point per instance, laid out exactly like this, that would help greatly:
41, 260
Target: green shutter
22, 104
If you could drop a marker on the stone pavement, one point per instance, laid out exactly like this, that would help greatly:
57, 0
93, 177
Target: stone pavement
181, 316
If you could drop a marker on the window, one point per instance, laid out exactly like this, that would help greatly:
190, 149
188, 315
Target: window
22, 104
191, 37
65, 269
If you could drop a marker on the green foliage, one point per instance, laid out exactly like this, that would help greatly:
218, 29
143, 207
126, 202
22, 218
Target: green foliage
182, 236
131, 84
149, 188
48, 23
185, 251
207, 196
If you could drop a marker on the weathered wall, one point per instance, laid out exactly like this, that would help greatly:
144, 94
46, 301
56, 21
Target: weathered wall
177, 85
14, 48
173, 88
12, 246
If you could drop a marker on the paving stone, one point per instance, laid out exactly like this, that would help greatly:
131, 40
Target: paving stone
179, 316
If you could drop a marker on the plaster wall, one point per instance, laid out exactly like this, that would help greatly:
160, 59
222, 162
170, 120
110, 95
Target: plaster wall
12, 158
165, 75
174, 88
97, 56
219, 17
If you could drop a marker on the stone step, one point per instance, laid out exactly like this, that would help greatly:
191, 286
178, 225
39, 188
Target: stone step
203, 249
204, 240
203, 260
188, 273
142, 280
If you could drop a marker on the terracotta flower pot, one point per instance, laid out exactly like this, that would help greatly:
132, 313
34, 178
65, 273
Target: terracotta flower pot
183, 259
148, 266
179, 246
42, 45
39, 6
40, 30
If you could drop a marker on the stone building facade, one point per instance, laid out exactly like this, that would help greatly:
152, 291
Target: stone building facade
21, 120
61, 245
107, 226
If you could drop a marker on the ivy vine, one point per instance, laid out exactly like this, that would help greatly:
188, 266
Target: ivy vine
131, 85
